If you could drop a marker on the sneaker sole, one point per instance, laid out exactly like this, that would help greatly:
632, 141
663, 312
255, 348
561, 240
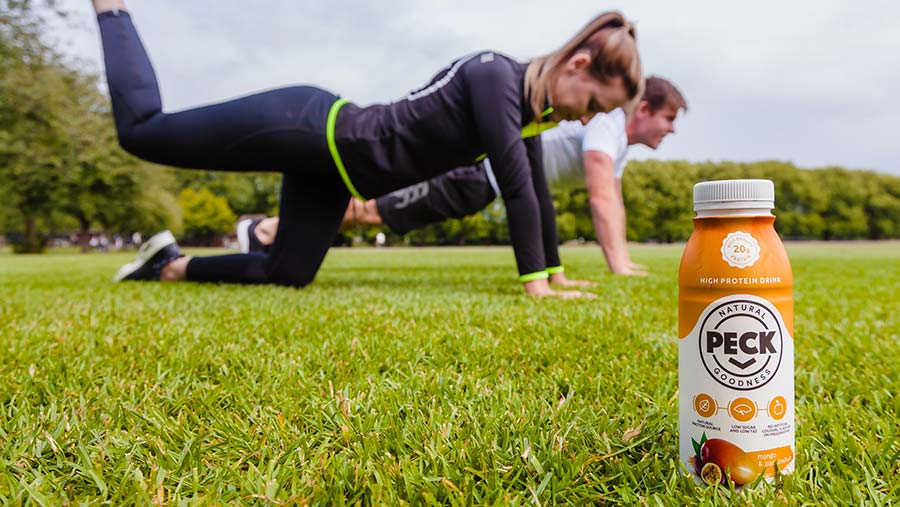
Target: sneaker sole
148, 250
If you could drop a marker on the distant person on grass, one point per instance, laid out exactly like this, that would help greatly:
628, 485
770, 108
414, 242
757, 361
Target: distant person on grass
591, 154
329, 149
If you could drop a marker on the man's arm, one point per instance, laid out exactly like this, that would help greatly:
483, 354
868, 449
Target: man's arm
608, 212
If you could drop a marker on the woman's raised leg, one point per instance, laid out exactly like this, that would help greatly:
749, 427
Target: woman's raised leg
280, 130
269, 131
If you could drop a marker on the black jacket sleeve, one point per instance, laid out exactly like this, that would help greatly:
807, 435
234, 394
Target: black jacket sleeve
495, 95
545, 202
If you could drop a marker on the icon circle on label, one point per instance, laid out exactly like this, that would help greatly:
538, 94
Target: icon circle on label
740, 249
705, 405
777, 408
742, 409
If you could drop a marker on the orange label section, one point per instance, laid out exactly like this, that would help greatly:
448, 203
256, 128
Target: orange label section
704, 276
767, 459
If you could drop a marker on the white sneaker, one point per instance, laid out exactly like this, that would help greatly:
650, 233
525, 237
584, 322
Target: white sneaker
154, 254
247, 238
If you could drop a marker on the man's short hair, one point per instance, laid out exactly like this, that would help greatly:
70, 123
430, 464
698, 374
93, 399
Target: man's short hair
659, 93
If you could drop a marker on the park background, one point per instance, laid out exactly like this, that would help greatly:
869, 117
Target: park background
63, 175
422, 375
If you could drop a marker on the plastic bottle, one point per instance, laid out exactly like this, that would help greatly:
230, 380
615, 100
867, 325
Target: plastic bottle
736, 346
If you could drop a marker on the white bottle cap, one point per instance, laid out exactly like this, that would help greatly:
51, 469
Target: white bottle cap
734, 195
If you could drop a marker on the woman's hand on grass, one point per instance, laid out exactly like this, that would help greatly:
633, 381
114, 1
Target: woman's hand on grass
541, 288
561, 280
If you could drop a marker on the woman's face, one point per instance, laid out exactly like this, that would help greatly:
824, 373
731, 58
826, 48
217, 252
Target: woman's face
577, 93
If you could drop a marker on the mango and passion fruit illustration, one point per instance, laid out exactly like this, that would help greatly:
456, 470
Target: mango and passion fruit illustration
718, 461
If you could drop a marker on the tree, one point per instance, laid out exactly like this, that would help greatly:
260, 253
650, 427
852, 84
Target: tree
32, 86
883, 208
101, 184
246, 193
205, 215
58, 150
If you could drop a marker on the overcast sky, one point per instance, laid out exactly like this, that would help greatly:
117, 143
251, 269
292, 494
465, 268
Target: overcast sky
815, 83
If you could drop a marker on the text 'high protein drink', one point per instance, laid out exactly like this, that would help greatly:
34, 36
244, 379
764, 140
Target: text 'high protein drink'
736, 345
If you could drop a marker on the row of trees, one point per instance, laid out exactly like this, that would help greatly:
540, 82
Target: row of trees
827, 203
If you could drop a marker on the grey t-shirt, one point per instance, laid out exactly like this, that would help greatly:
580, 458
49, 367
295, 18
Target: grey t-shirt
565, 145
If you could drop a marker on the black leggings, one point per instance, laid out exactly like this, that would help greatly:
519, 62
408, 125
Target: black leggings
280, 130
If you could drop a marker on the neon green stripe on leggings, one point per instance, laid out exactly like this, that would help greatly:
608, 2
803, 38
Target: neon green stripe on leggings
555, 269
530, 277
332, 146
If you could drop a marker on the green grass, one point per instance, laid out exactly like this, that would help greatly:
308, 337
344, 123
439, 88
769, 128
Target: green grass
417, 376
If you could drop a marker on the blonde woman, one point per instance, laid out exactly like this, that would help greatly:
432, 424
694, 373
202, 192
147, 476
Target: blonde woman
329, 149
591, 155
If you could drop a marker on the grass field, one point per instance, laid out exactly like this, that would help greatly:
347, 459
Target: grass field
419, 376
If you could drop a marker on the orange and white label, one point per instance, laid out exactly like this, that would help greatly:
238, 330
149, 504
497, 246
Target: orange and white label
736, 381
